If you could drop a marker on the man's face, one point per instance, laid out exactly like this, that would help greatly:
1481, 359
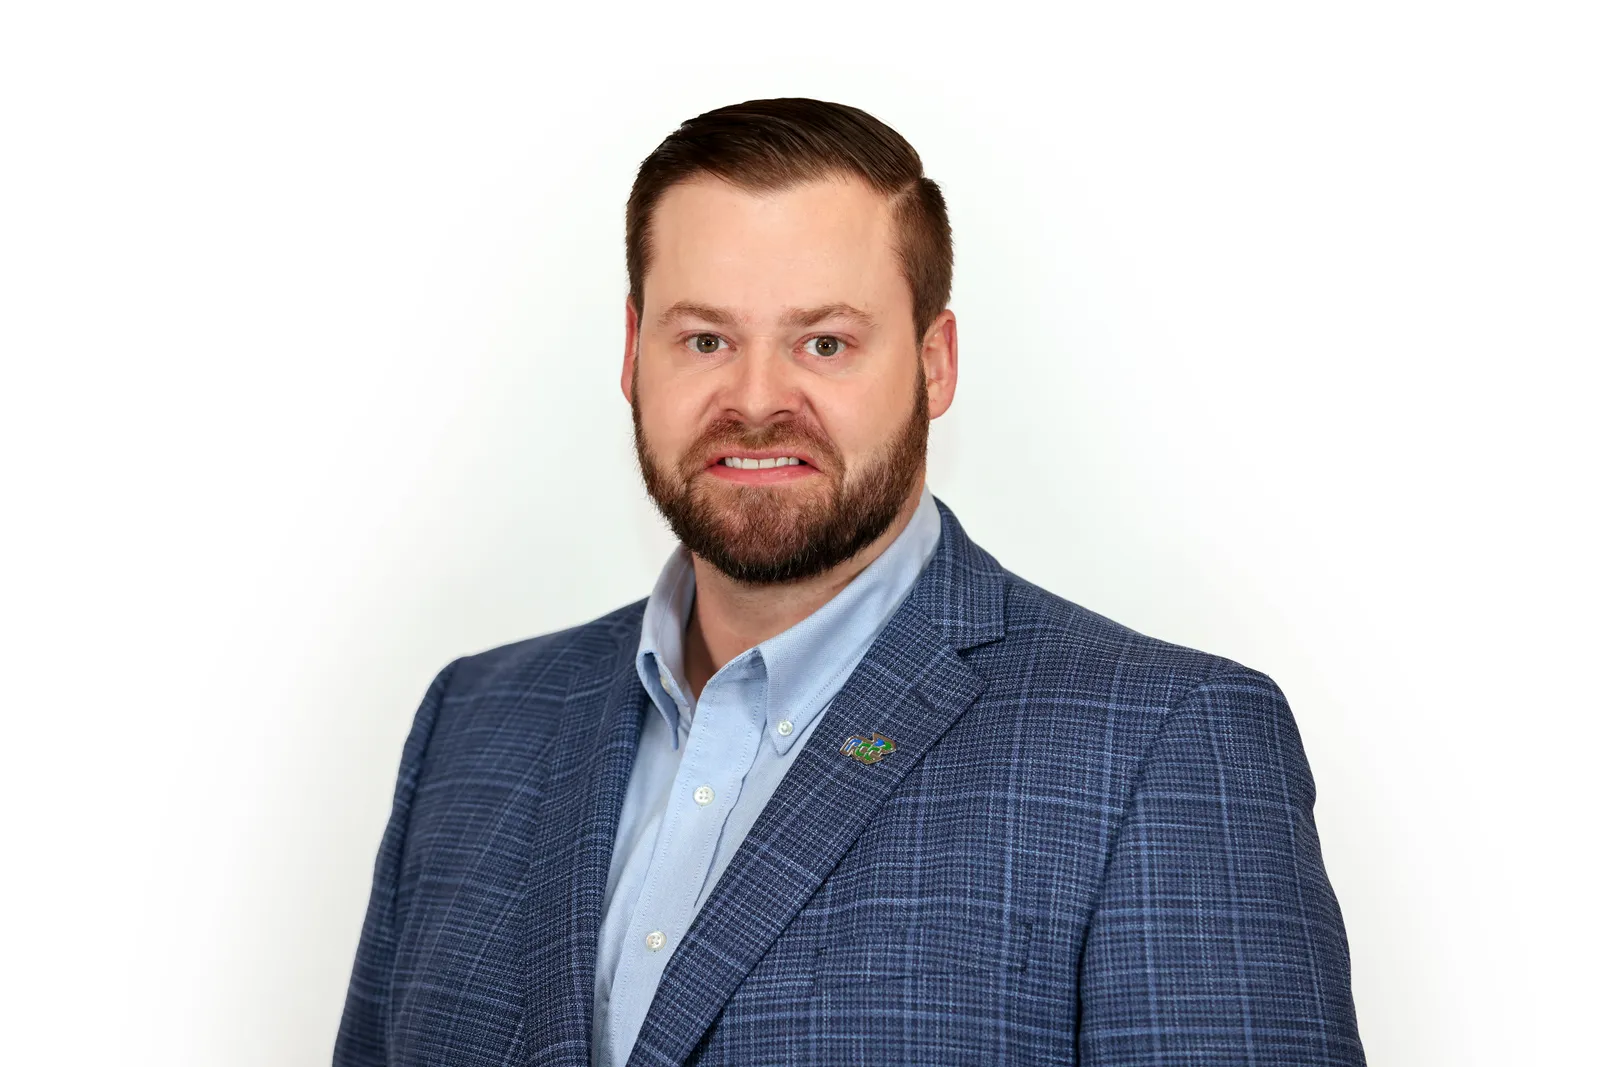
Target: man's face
776, 326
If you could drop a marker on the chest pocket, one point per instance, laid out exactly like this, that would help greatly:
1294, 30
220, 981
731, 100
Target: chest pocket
984, 944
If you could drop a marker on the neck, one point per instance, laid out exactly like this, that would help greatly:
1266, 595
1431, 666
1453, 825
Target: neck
729, 617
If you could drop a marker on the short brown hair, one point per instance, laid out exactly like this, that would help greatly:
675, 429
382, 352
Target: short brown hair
774, 144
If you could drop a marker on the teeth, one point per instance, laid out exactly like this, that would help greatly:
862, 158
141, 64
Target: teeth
741, 463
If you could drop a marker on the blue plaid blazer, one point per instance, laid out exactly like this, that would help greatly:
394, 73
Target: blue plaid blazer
1087, 847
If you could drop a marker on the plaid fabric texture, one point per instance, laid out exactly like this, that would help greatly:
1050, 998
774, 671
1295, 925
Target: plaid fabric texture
1087, 847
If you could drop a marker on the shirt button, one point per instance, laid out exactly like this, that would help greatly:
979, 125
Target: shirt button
785, 728
654, 940
704, 795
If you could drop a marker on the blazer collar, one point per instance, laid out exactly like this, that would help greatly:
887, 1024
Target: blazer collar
962, 590
590, 759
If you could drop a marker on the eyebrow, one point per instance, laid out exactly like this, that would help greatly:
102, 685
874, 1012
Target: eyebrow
794, 317
688, 309
803, 317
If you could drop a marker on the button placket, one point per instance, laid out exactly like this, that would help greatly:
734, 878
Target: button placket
690, 829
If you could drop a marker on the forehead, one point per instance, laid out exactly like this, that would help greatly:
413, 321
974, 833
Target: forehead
818, 242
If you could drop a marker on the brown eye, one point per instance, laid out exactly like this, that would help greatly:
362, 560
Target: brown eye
825, 346
707, 343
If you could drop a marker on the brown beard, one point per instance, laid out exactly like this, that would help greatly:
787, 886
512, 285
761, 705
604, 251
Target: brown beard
764, 536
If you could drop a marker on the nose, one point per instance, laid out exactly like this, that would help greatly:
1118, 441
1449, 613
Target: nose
761, 384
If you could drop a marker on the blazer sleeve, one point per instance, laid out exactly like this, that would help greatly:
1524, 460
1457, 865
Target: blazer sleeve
363, 1030
1217, 939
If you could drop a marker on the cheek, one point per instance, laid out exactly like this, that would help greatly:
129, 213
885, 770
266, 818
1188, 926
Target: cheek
670, 414
861, 422
662, 429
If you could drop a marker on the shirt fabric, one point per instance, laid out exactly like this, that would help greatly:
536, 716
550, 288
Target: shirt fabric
706, 767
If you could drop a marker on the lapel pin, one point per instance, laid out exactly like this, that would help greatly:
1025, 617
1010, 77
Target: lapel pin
859, 748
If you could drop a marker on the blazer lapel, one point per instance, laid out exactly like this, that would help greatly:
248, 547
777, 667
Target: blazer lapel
911, 687
591, 758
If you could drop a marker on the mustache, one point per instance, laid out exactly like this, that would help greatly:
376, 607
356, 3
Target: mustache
730, 433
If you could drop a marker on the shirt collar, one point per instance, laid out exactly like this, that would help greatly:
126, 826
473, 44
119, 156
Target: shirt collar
660, 657
809, 662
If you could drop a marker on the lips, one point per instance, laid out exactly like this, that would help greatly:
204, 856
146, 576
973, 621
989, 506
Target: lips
761, 458
751, 446
752, 464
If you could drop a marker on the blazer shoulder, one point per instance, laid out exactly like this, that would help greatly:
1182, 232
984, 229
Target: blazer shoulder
1100, 648
1060, 660
545, 664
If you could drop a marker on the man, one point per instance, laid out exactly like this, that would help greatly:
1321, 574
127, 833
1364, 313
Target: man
842, 789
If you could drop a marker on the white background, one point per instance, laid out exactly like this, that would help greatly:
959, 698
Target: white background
1278, 331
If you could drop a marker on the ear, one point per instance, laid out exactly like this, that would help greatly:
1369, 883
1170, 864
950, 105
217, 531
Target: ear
939, 363
630, 347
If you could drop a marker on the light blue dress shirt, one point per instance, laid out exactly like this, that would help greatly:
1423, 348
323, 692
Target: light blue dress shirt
705, 768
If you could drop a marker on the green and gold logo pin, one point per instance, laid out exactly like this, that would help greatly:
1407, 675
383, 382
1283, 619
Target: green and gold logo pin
859, 748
